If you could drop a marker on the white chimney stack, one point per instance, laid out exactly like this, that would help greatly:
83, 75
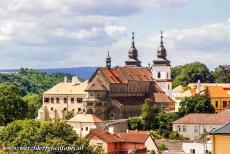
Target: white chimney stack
111, 129
75, 80
198, 88
65, 79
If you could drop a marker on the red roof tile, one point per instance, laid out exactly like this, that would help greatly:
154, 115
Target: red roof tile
205, 118
134, 136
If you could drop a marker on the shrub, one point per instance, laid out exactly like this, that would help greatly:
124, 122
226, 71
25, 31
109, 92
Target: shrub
176, 136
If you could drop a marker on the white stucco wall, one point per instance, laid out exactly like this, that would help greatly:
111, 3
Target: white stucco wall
200, 148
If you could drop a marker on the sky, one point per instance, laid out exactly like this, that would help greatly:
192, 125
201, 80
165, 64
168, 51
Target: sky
74, 33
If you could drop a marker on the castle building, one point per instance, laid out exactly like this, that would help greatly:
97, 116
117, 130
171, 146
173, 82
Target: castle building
161, 70
112, 92
119, 92
62, 98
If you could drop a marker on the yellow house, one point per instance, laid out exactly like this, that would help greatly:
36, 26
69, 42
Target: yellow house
221, 139
220, 99
219, 93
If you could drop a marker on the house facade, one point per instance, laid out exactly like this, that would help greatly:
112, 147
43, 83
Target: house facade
219, 94
194, 125
122, 143
62, 98
221, 139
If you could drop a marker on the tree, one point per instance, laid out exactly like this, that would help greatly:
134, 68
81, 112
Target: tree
222, 74
12, 106
176, 136
191, 73
136, 123
149, 114
165, 123
34, 102
196, 104
28, 133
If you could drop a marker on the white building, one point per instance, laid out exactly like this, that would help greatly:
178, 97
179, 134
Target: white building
194, 125
161, 70
62, 98
197, 147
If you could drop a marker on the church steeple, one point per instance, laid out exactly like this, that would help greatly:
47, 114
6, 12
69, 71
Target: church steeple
161, 54
108, 61
133, 55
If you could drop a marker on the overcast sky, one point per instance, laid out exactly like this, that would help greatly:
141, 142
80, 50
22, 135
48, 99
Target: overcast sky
73, 33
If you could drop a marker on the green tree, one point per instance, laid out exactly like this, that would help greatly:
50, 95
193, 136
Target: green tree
149, 114
176, 136
162, 147
165, 123
191, 73
222, 74
34, 102
196, 104
29, 133
136, 123
12, 106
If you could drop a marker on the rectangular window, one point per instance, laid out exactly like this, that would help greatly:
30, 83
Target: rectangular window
224, 104
195, 129
46, 100
79, 100
51, 109
86, 128
65, 100
178, 128
216, 104
52, 100
57, 100
79, 109
184, 128
192, 151
72, 100
99, 145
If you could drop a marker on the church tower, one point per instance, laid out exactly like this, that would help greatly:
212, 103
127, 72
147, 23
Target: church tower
133, 60
108, 61
162, 70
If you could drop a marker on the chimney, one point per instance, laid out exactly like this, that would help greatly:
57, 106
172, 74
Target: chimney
111, 129
198, 88
65, 79
75, 80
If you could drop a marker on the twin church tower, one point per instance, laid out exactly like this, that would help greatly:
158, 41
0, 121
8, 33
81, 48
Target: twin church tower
161, 68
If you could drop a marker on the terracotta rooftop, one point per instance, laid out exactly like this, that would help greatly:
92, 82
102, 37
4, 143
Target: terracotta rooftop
130, 137
68, 88
125, 74
205, 118
134, 136
130, 101
217, 91
103, 135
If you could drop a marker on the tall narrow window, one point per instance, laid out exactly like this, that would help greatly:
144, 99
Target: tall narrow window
57, 100
216, 104
178, 128
72, 100
167, 75
224, 104
65, 100
159, 75
52, 100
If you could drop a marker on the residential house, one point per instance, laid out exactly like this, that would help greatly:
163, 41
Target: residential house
62, 98
122, 143
194, 125
83, 123
219, 94
221, 139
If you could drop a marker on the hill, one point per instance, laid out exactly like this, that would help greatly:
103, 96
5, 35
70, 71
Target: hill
82, 72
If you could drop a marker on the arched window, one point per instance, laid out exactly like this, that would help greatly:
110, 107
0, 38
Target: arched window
159, 75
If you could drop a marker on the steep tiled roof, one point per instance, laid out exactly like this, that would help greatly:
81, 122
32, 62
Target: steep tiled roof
217, 91
125, 74
68, 88
205, 118
161, 98
103, 135
96, 85
129, 101
134, 137
87, 118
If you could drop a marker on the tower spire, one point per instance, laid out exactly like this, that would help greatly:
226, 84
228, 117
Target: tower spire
108, 61
162, 38
133, 55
